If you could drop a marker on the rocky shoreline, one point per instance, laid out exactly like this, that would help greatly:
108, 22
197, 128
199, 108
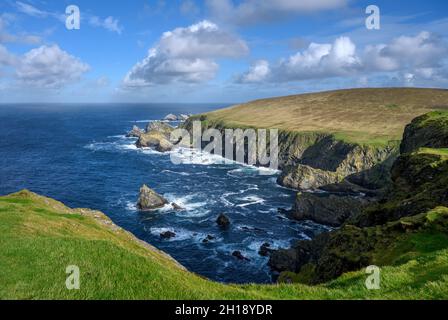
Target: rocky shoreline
340, 185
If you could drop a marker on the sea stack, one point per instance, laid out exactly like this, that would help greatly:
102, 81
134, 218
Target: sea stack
149, 199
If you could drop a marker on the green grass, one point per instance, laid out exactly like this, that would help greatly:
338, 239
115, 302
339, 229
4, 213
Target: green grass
443, 152
362, 116
40, 237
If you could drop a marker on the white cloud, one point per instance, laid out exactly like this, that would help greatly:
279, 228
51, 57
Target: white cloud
186, 55
6, 58
30, 10
49, 67
423, 51
6, 36
258, 72
109, 23
411, 60
253, 11
317, 61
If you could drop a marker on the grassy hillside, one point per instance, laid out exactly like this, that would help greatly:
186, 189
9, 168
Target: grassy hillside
357, 115
39, 237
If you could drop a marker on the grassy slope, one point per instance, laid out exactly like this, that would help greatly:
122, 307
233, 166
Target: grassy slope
367, 116
39, 237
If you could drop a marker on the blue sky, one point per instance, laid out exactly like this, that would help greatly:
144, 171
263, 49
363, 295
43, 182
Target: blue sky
215, 50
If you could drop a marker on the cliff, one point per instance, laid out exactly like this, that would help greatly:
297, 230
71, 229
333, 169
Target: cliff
412, 219
325, 139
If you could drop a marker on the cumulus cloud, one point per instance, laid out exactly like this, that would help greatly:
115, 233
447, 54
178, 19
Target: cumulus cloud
258, 72
186, 55
424, 51
317, 61
253, 11
49, 67
421, 57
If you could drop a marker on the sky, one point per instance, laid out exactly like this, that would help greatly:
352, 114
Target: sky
224, 51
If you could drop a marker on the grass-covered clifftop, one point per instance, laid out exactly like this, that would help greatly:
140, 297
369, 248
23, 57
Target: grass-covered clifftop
326, 138
361, 116
40, 237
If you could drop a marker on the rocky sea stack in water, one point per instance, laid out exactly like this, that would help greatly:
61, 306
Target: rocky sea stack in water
157, 137
149, 199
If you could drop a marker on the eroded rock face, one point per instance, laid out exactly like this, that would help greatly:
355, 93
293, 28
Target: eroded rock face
328, 209
161, 127
157, 137
302, 177
154, 140
135, 132
149, 199
429, 130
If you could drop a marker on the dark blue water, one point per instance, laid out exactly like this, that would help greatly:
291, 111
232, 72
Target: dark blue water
78, 154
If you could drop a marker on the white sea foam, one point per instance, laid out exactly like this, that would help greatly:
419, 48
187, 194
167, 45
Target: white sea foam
176, 172
250, 200
181, 233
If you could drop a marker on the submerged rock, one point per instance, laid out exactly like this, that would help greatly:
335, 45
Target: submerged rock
167, 235
176, 206
223, 221
136, 132
149, 199
237, 254
208, 238
265, 249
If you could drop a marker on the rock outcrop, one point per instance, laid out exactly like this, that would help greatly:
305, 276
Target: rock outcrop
170, 117
328, 209
429, 130
239, 256
149, 199
223, 221
136, 132
167, 235
157, 137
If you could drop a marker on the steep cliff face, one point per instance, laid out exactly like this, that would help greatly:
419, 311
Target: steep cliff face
328, 209
385, 232
311, 160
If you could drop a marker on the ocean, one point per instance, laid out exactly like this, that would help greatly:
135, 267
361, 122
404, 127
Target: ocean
78, 154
